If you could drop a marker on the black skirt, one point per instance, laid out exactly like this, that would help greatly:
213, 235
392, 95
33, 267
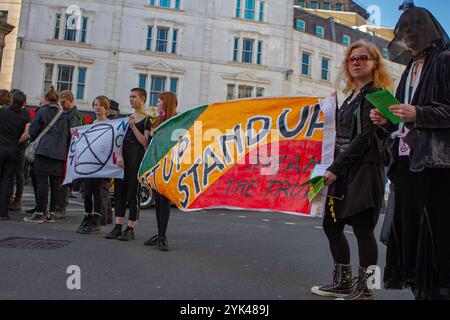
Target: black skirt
401, 254
359, 188
433, 253
44, 166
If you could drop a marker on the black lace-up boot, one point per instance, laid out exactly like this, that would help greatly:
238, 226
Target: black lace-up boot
361, 290
341, 285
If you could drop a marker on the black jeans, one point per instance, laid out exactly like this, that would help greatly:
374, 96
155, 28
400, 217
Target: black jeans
19, 177
42, 183
162, 212
363, 229
95, 188
8, 165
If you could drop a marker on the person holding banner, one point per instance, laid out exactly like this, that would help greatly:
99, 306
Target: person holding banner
356, 177
418, 252
167, 105
126, 190
96, 188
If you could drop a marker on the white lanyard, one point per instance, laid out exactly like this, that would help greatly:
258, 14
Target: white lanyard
409, 94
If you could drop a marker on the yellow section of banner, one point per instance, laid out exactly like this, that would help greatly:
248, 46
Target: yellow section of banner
221, 137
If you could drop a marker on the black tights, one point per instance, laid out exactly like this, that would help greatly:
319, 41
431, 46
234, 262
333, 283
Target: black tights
162, 212
363, 228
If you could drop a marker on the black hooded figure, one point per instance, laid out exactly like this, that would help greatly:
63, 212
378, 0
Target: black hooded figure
418, 254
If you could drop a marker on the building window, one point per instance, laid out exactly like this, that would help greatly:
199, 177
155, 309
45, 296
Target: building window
174, 40
346, 40
70, 29
164, 3
301, 3
326, 6
230, 91
176, 4
70, 33
325, 69
247, 50
65, 79
142, 81
236, 50
57, 26
313, 5
65, 76
81, 83
262, 5
300, 25
339, 7
174, 85
48, 74
320, 31
260, 92
249, 13
238, 9
245, 92
259, 53
306, 64
158, 84
385, 53
149, 38
84, 22
161, 40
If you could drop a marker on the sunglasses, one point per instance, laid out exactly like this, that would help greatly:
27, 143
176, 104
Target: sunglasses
362, 58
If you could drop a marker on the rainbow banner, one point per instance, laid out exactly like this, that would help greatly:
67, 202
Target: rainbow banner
247, 154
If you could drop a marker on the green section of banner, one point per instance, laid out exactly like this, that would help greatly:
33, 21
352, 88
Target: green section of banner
163, 135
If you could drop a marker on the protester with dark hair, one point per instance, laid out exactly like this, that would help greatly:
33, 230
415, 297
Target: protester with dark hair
19, 177
95, 188
356, 177
418, 253
126, 190
51, 155
12, 132
167, 105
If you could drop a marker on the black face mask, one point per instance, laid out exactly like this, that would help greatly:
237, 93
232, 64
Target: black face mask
416, 31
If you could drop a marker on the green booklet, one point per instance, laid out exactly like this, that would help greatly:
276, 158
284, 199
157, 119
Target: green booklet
316, 181
382, 100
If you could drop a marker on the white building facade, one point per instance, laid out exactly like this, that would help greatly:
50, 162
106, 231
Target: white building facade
204, 50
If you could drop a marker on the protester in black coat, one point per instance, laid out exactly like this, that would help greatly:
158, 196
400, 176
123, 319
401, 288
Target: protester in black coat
12, 129
356, 177
418, 253
51, 155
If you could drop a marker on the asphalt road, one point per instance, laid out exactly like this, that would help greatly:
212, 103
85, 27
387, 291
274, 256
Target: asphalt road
215, 255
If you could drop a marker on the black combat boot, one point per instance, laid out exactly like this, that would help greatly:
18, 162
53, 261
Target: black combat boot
361, 289
92, 225
341, 285
115, 232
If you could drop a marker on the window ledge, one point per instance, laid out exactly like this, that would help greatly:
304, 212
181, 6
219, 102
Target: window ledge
160, 54
249, 21
325, 81
164, 9
67, 43
246, 65
304, 77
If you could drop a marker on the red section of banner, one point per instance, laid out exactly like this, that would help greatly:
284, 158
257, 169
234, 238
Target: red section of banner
259, 185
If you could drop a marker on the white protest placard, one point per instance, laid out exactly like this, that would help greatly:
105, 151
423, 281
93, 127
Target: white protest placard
93, 150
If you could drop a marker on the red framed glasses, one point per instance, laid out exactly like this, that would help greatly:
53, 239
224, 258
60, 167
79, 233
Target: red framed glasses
361, 58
